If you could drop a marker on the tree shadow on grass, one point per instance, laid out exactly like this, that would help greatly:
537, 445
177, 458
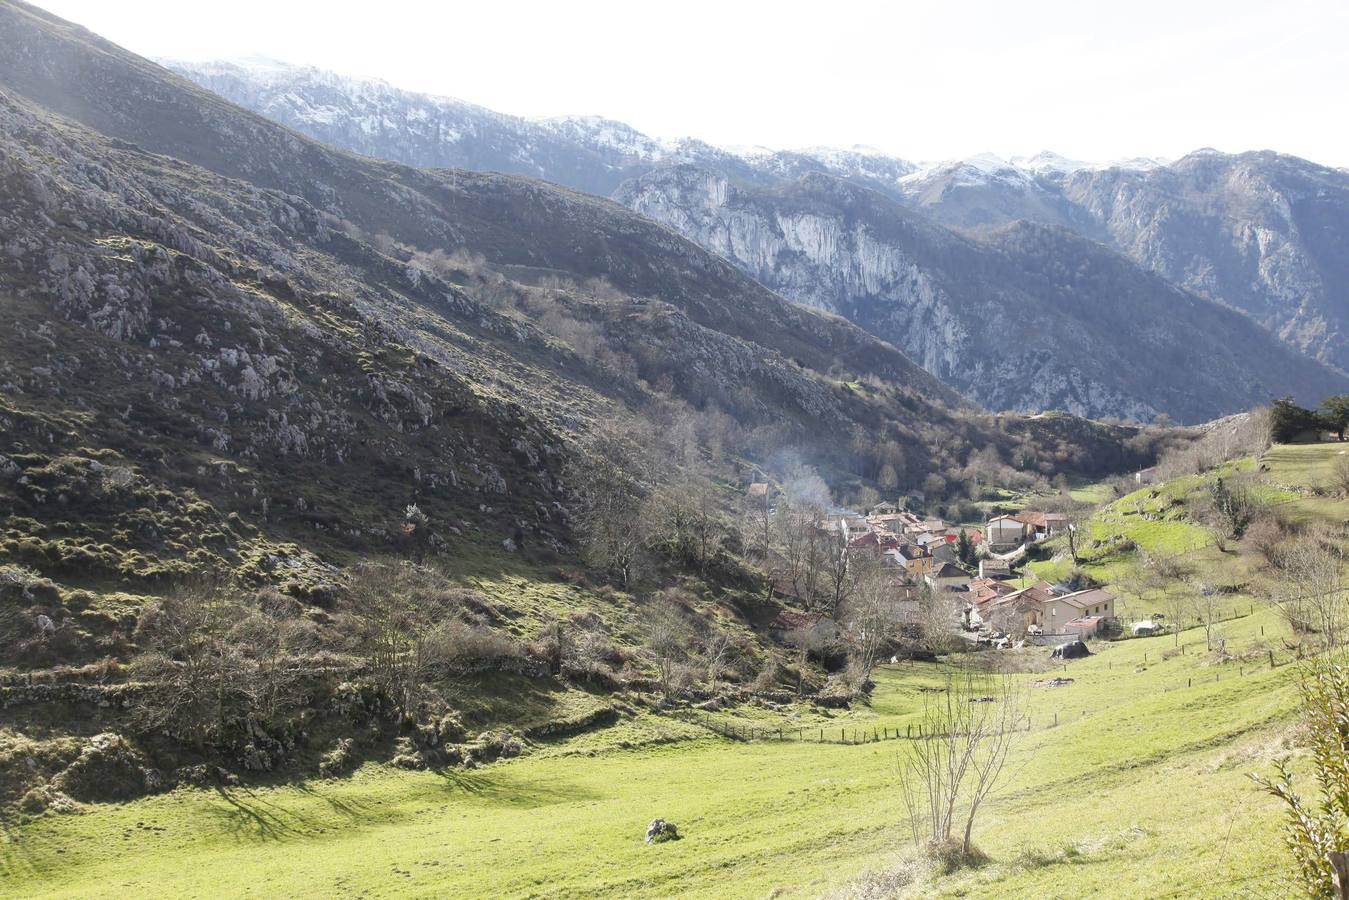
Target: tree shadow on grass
500, 787
247, 814
352, 809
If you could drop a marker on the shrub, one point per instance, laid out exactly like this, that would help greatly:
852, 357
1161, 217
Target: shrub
466, 646
950, 855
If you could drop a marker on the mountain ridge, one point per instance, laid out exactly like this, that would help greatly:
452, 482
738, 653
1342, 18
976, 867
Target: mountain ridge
1285, 278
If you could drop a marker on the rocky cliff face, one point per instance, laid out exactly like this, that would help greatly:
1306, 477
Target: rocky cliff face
1024, 318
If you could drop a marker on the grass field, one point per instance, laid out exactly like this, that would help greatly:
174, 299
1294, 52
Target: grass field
1139, 790
1132, 781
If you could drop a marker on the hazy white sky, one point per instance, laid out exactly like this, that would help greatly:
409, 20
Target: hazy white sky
923, 80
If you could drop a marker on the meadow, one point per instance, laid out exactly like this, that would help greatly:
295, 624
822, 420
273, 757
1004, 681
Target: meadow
1132, 780
1140, 789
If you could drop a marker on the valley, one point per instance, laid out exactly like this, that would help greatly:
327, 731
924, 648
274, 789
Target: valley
401, 498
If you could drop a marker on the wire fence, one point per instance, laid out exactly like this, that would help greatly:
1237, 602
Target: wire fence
817, 734
1257, 658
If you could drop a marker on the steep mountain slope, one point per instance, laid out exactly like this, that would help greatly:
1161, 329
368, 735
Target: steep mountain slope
229, 311
238, 368
1262, 232
285, 344
1028, 317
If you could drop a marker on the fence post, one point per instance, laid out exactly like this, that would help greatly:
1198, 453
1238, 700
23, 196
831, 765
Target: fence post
1271, 659
908, 730
1056, 717
1189, 682
821, 735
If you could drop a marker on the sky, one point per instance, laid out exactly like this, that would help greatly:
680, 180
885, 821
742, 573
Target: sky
920, 79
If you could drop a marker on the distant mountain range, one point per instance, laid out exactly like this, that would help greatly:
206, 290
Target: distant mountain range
1263, 234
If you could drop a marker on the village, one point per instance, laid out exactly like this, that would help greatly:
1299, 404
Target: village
968, 573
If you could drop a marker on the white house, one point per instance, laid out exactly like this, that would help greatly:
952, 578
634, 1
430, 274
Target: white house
1004, 531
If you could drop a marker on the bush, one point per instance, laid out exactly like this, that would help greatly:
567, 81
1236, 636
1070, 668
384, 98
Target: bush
465, 647
950, 856
108, 768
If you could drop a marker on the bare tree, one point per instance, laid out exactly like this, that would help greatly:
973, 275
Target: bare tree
611, 483
837, 571
871, 612
1309, 589
276, 636
1206, 605
396, 617
969, 729
719, 652
707, 528
668, 637
214, 657
805, 550
195, 665
938, 618
758, 516
1162, 580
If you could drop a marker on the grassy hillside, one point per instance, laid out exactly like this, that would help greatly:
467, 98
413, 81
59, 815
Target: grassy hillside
1142, 782
1293, 481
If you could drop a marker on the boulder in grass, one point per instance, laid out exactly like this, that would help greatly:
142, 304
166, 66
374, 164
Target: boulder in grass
1071, 650
660, 831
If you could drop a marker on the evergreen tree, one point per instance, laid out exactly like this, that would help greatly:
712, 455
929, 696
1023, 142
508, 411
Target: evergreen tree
965, 549
1335, 410
1287, 420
